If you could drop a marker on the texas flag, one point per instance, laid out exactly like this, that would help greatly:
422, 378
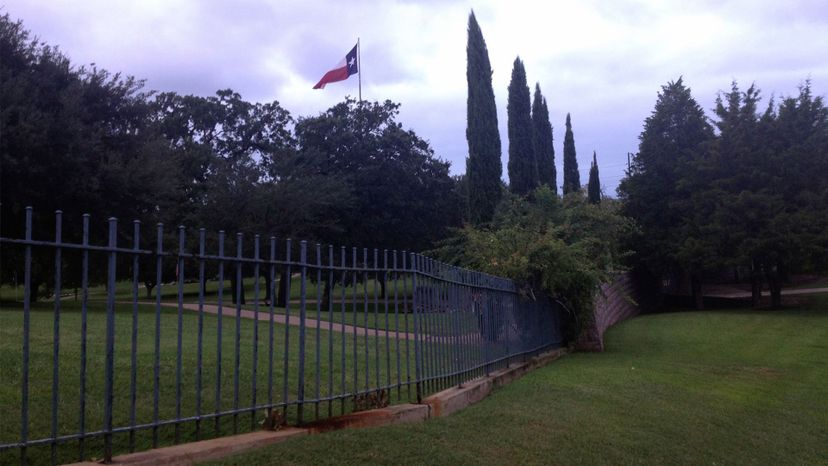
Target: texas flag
345, 68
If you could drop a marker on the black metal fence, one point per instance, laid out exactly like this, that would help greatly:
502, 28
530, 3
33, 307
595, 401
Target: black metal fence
217, 343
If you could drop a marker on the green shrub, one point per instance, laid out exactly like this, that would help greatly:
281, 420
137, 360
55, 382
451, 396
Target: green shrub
562, 247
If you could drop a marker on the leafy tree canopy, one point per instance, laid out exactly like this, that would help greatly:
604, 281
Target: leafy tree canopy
562, 247
403, 196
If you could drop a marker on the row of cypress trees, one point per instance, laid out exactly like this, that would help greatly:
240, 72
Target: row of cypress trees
531, 151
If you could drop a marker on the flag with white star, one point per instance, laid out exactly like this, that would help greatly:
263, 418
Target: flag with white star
342, 71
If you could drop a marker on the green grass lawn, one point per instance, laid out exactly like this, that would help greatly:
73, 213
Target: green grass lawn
713, 387
377, 316
69, 400
169, 291
374, 318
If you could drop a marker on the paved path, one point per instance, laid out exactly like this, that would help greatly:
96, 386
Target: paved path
230, 311
746, 294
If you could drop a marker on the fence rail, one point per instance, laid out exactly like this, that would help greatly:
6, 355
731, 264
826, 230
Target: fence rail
206, 354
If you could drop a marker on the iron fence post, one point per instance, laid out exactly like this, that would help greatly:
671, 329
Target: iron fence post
84, 312
317, 334
344, 336
330, 291
272, 304
406, 311
200, 332
287, 292
56, 333
300, 390
159, 280
110, 340
488, 323
395, 277
133, 382
255, 362
27, 297
219, 328
179, 330
418, 370
237, 294
376, 321
354, 315
365, 318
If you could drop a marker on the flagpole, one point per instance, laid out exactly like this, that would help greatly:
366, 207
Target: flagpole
359, 71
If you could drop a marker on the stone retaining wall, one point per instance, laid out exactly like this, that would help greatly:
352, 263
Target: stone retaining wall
614, 303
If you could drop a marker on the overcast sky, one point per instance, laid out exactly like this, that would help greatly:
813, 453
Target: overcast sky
601, 61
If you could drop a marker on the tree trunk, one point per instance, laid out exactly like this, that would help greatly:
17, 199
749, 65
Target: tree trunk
149, 286
776, 295
326, 294
755, 290
267, 297
238, 298
281, 299
381, 278
775, 286
696, 287
33, 291
755, 286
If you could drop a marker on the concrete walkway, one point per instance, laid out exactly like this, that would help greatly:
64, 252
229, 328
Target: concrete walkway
746, 294
264, 316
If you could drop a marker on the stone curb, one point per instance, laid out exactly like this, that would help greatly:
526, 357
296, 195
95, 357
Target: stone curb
190, 453
454, 399
440, 404
397, 414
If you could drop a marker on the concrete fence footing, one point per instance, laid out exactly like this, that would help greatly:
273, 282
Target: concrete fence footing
439, 404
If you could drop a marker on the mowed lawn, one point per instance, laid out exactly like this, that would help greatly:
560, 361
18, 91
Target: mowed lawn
331, 373
712, 387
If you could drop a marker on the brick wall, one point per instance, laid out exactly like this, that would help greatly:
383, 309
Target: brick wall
614, 303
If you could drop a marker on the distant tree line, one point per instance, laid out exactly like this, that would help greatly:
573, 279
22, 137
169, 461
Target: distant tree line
85, 140
746, 191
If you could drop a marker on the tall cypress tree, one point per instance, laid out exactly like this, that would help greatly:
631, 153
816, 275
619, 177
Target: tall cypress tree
572, 179
483, 166
523, 168
542, 140
594, 186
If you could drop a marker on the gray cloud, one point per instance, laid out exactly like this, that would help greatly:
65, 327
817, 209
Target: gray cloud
603, 62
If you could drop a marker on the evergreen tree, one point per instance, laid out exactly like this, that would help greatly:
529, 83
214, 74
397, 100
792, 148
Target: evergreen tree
523, 168
659, 184
727, 202
483, 166
572, 179
594, 187
543, 141
768, 209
